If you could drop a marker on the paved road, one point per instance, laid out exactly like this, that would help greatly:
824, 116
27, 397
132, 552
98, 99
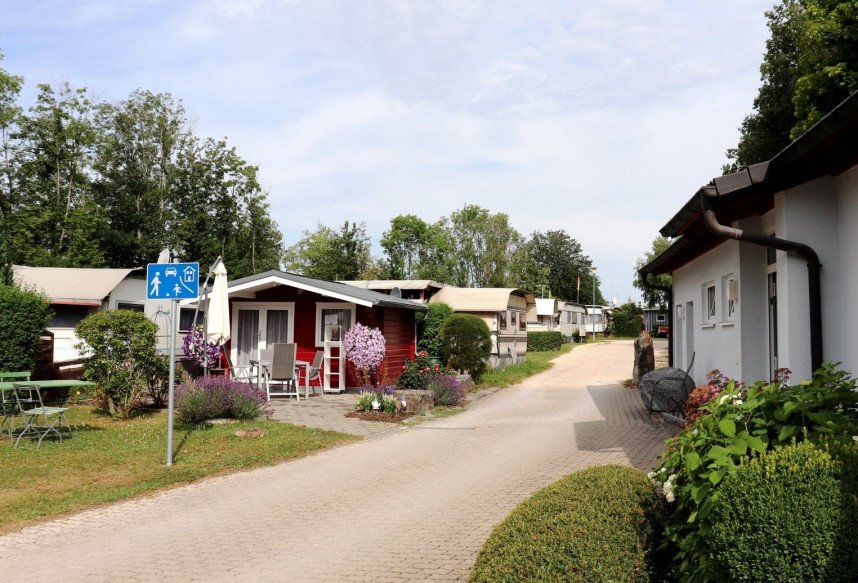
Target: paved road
410, 506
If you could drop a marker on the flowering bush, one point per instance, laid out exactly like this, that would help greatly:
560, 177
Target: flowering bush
198, 350
216, 397
742, 423
417, 372
716, 382
365, 348
446, 389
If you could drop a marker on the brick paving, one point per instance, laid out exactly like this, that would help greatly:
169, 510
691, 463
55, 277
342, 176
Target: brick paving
329, 412
412, 505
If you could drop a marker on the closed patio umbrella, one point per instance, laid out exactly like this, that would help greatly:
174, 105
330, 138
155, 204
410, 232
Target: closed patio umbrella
217, 314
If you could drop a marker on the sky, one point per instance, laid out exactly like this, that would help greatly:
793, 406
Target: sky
600, 118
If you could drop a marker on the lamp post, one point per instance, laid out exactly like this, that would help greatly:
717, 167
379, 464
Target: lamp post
594, 303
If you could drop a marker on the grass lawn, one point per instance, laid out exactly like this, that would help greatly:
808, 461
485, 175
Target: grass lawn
108, 460
534, 363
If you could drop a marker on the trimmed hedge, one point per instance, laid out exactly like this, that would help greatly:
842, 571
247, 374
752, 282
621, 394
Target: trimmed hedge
544, 341
783, 517
23, 316
598, 524
627, 320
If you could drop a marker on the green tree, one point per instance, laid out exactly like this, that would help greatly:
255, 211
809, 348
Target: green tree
654, 298
10, 89
482, 246
258, 245
554, 262
626, 320
429, 328
23, 316
467, 343
331, 255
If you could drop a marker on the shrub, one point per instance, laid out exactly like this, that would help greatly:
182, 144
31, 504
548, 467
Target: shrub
598, 524
544, 341
198, 350
777, 517
446, 389
23, 316
715, 383
365, 348
737, 424
467, 343
432, 320
417, 372
119, 347
387, 402
626, 320
216, 397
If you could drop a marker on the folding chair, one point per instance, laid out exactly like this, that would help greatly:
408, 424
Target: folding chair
283, 356
32, 409
9, 409
314, 371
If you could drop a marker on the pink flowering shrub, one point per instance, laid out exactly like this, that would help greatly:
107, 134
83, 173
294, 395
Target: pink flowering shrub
365, 348
716, 381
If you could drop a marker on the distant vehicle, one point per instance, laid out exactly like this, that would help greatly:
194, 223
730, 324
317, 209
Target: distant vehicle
170, 272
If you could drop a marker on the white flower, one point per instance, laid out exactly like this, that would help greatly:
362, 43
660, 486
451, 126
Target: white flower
669, 496
695, 433
724, 398
855, 438
651, 475
738, 402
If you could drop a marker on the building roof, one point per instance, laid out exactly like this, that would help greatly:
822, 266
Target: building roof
479, 299
347, 293
828, 148
388, 284
72, 285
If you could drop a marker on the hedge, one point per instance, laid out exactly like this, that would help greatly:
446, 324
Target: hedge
544, 341
430, 330
598, 524
786, 516
23, 316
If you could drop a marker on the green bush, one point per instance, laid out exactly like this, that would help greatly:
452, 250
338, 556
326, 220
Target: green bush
626, 320
598, 524
432, 321
23, 316
119, 347
544, 341
467, 343
738, 423
777, 517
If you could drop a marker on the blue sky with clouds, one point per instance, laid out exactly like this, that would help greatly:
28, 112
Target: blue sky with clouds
600, 118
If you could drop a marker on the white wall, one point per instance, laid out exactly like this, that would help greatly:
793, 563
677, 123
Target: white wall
845, 311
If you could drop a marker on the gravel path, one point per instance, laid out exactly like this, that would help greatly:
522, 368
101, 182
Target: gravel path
414, 505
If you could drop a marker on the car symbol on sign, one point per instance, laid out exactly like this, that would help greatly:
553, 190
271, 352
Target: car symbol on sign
170, 272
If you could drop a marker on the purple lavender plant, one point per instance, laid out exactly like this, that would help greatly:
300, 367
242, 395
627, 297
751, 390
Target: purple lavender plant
446, 389
219, 396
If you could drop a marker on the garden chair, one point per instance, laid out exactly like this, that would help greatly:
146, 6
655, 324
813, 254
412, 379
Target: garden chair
9, 409
666, 390
283, 371
39, 420
314, 371
236, 372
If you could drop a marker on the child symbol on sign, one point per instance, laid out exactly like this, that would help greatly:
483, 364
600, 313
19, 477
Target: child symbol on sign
177, 290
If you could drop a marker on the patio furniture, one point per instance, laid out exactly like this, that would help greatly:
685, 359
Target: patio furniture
39, 420
283, 371
8, 408
14, 377
314, 372
666, 390
237, 372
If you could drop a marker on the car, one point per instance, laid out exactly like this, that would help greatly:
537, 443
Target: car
170, 272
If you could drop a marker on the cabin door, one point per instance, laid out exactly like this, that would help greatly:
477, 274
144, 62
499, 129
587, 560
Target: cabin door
257, 326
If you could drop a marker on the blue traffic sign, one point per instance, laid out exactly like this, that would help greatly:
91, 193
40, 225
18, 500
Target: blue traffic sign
172, 281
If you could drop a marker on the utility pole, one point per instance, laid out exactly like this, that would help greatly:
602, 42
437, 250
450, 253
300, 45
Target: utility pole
594, 304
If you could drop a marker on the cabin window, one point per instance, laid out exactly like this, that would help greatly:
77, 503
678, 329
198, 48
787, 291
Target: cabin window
522, 323
501, 320
186, 318
709, 302
131, 307
333, 314
513, 320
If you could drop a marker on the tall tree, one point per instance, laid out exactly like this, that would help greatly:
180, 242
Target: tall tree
562, 261
482, 246
653, 298
10, 111
258, 245
331, 255
416, 249
810, 65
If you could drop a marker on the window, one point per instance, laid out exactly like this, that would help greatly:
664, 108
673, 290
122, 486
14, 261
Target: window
522, 323
333, 314
729, 296
131, 307
501, 320
186, 318
68, 316
709, 302
513, 320
661, 318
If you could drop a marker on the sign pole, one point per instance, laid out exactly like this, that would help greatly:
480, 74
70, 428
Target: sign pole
174, 307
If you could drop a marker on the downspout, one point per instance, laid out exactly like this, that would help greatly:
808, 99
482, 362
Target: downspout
804, 251
669, 292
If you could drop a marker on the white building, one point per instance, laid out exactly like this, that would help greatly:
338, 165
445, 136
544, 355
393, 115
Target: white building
749, 296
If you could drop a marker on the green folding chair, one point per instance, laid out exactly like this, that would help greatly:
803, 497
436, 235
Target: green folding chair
9, 409
39, 421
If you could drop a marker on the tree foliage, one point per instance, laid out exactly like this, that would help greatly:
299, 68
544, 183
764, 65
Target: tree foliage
23, 316
810, 65
654, 298
554, 262
332, 255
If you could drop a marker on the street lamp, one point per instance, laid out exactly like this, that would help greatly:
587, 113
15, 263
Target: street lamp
593, 272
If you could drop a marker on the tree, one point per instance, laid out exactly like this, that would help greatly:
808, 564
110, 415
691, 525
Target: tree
654, 298
10, 88
554, 262
626, 320
481, 245
331, 255
24, 314
810, 65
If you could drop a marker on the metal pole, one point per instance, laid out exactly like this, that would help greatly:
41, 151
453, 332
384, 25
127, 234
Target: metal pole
172, 382
594, 304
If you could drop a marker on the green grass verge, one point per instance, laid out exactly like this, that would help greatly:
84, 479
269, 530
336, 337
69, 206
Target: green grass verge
598, 524
107, 460
534, 363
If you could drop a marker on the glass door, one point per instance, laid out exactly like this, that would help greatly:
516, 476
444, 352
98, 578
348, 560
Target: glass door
257, 326
248, 336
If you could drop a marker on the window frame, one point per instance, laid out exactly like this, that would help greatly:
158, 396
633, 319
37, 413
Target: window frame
710, 303
137, 307
320, 306
728, 306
